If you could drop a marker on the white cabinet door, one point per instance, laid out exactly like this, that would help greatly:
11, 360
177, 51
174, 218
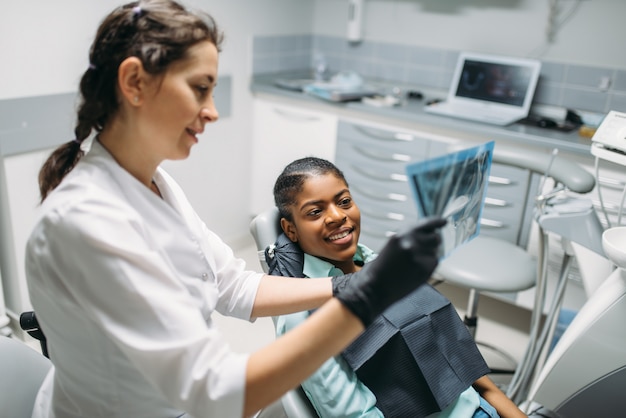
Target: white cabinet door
283, 133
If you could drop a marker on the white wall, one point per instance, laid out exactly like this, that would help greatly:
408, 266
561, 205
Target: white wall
592, 36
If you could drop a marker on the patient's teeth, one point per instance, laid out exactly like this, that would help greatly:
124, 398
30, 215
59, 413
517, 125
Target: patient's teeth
339, 236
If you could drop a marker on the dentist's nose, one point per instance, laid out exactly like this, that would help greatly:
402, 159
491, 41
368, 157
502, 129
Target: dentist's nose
209, 113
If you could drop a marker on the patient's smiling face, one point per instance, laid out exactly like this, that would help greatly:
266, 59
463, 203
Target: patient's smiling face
326, 221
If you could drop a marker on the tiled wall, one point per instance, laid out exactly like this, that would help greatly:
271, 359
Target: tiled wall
560, 84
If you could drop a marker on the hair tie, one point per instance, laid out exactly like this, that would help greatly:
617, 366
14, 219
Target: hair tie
92, 66
76, 141
136, 11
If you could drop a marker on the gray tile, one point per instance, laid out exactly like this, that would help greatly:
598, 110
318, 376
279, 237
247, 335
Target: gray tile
304, 58
429, 78
336, 63
392, 53
619, 83
390, 71
265, 64
450, 60
365, 67
305, 42
366, 49
287, 43
264, 45
223, 96
427, 56
548, 93
329, 44
585, 99
580, 75
292, 62
617, 102
552, 71
575, 86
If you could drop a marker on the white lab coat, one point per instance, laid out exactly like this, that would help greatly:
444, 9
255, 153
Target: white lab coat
124, 285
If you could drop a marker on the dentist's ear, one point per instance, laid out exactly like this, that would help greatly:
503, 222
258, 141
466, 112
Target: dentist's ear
131, 81
289, 229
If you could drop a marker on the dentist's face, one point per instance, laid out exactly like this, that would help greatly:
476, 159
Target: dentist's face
326, 221
181, 103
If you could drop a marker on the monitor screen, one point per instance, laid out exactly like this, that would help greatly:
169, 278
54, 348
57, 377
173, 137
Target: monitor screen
494, 82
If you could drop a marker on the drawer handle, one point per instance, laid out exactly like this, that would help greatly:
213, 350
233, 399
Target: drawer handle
490, 223
392, 136
297, 117
384, 177
502, 181
384, 215
490, 201
395, 197
382, 157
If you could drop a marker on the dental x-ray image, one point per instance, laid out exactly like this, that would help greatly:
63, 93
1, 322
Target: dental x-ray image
453, 186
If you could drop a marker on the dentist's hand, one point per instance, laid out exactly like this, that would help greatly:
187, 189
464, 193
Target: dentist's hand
405, 263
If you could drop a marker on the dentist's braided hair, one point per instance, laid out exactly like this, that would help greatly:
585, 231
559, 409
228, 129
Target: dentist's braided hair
159, 33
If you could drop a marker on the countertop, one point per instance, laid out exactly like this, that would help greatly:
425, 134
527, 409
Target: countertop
411, 115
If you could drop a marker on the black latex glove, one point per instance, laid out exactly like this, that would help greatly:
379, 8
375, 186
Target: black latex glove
406, 262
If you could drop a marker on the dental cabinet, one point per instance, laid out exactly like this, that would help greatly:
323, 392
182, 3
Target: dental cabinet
373, 145
374, 161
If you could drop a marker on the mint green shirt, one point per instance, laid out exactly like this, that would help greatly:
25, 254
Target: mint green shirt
334, 389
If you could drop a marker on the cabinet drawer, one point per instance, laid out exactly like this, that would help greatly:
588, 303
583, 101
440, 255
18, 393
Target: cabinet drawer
382, 202
405, 144
508, 183
360, 153
374, 234
501, 226
376, 179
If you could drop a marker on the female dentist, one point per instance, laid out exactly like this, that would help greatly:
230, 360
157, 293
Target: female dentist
123, 274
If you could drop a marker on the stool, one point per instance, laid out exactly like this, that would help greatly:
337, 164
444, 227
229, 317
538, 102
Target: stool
492, 265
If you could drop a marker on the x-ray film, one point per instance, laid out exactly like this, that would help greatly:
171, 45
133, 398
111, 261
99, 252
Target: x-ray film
453, 186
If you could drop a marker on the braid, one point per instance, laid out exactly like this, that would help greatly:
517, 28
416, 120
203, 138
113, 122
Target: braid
159, 33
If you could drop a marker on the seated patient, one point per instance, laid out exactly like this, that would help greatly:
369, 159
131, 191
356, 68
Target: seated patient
417, 359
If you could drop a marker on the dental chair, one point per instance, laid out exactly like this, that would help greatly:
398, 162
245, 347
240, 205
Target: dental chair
22, 371
265, 228
585, 374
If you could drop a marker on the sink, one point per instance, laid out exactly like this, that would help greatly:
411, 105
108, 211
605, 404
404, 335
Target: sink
293, 84
614, 243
